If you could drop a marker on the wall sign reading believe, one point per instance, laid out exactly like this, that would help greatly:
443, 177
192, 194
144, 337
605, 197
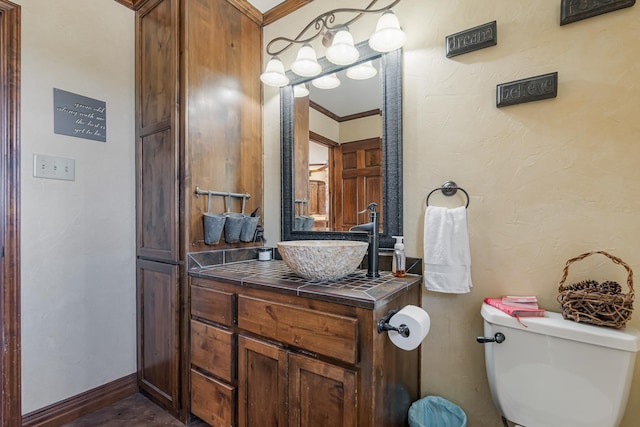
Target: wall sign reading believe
79, 116
527, 90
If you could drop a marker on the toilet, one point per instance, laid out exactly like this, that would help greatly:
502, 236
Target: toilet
552, 372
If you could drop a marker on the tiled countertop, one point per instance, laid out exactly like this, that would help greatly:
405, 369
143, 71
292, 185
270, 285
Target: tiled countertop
355, 289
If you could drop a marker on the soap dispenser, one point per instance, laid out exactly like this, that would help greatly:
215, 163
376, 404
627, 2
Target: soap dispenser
399, 258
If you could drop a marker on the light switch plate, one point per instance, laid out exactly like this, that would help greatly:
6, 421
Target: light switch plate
54, 167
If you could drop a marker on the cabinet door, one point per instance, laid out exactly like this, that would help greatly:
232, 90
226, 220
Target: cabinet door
262, 373
158, 332
321, 394
156, 130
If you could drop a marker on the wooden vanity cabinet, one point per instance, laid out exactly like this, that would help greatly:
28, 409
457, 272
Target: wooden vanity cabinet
296, 361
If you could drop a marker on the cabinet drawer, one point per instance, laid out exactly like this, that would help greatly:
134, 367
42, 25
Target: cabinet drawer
324, 333
212, 349
212, 401
216, 306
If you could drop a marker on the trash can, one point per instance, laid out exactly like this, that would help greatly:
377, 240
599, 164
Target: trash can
436, 411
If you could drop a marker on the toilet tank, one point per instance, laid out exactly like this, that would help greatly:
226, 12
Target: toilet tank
551, 372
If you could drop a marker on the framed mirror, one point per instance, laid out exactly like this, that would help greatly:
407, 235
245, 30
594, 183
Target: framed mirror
298, 183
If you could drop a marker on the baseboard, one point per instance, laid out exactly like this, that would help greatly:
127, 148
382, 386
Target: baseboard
76, 406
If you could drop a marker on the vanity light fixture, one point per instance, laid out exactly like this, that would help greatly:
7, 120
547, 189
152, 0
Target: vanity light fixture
274, 73
300, 91
336, 37
306, 63
388, 36
330, 81
363, 71
342, 51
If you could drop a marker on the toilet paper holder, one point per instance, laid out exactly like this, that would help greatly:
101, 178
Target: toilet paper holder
384, 326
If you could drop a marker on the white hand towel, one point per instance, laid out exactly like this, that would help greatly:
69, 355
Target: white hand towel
447, 258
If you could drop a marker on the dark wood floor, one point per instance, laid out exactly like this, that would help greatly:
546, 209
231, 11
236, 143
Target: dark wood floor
134, 411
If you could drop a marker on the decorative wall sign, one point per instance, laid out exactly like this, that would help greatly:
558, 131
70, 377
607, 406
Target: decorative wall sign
79, 116
476, 38
527, 90
576, 10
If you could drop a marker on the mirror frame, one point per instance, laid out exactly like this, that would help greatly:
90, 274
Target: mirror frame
391, 82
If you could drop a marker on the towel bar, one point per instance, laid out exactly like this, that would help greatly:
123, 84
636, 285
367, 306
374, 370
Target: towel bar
449, 188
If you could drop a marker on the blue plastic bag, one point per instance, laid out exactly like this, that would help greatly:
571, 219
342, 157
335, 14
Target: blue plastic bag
436, 411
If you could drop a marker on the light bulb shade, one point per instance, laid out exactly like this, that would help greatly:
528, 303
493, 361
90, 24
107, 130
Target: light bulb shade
330, 81
363, 71
388, 36
300, 91
274, 73
306, 63
342, 51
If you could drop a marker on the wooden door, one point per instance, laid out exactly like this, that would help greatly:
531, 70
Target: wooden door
158, 332
358, 182
157, 147
321, 394
262, 373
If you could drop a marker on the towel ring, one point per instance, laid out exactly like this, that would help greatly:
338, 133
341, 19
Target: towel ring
449, 188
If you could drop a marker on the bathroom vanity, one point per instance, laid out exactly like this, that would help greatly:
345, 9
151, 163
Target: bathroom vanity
269, 348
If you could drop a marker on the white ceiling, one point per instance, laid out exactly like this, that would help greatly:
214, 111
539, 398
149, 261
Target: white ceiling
351, 97
265, 5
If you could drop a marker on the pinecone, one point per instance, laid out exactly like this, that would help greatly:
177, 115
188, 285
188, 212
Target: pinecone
586, 285
610, 288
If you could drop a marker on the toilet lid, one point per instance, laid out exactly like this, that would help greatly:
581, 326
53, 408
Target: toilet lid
553, 324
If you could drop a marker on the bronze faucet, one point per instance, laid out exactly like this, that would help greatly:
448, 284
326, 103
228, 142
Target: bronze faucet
372, 229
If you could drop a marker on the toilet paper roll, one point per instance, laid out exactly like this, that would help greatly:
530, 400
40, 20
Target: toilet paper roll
418, 322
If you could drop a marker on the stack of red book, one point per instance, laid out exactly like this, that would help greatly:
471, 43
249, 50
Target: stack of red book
517, 306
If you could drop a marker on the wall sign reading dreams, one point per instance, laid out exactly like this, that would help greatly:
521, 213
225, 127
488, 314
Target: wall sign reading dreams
79, 116
527, 90
479, 37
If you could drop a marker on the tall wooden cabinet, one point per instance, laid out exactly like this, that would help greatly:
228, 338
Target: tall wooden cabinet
157, 204
198, 123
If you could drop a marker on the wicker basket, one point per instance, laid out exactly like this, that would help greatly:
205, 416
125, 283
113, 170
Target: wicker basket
596, 308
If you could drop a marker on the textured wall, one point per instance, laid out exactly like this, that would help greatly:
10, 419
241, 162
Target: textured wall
78, 238
548, 180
